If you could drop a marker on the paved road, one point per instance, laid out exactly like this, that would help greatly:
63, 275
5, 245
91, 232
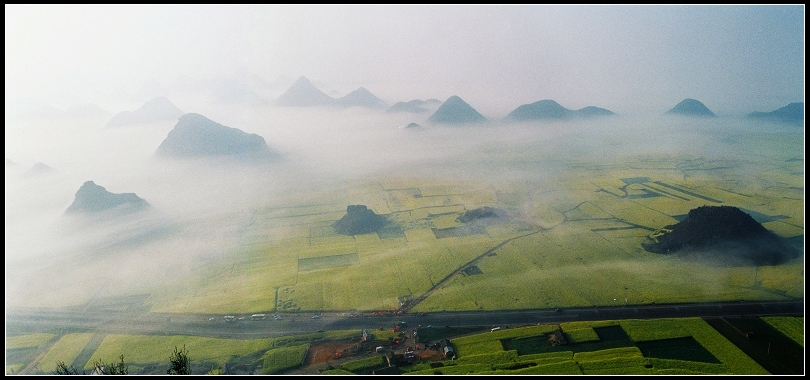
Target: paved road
20, 321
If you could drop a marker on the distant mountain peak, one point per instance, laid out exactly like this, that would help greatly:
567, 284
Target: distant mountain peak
414, 106
156, 109
361, 97
197, 135
542, 109
691, 107
793, 112
38, 169
92, 198
550, 109
303, 93
454, 110
302, 80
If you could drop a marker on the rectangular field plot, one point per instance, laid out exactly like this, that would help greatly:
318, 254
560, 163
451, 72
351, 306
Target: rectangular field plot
621, 232
787, 177
322, 250
279, 233
446, 221
323, 262
603, 225
286, 212
66, 349
366, 240
321, 231
654, 329
718, 191
609, 185
463, 231
444, 210
332, 240
586, 211
420, 234
685, 348
399, 200
434, 201
792, 208
788, 277
642, 212
430, 190
669, 205
640, 191
391, 231
643, 165
680, 191
492, 292
297, 220
503, 231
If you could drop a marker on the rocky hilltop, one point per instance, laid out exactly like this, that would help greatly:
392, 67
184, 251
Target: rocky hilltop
691, 107
359, 220
722, 234
157, 109
415, 106
482, 214
92, 198
793, 112
548, 109
456, 111
38, 168
303, 93
361, 98
197, 135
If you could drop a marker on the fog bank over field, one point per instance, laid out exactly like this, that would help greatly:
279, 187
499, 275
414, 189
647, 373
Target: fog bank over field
71, 69
199, 205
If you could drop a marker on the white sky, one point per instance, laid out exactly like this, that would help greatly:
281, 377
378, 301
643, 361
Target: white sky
629, 59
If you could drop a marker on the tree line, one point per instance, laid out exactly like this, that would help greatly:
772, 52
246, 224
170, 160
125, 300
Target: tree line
179, 364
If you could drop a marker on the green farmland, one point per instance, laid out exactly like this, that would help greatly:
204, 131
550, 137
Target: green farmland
635, 346
567, 231
574, 243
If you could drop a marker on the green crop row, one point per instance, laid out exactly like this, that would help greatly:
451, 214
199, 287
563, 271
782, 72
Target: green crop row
66, 349
792, 327
280, 359
29, 340
364, 365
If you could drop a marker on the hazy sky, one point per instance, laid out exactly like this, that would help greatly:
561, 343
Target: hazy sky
629, 59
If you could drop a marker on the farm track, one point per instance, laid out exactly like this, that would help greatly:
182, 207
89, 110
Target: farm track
87, 352
34, 363
407, 307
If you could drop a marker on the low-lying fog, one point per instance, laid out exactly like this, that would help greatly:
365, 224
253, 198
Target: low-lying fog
198, 204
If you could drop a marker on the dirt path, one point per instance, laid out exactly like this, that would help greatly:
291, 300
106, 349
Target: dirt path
407, 307
34, 363
89, 349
